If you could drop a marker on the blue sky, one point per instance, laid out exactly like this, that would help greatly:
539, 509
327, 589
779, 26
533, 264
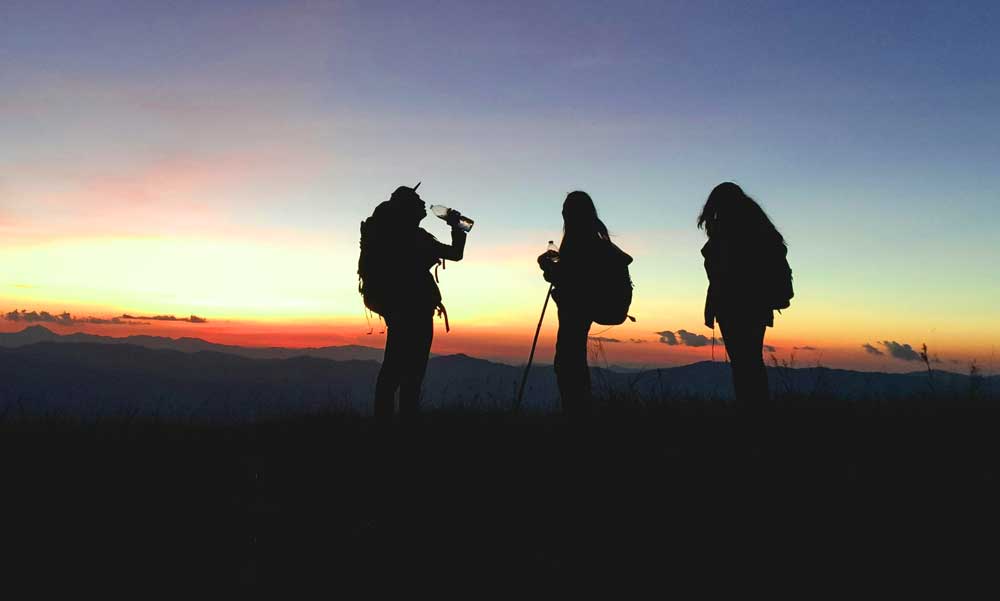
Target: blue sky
869, 131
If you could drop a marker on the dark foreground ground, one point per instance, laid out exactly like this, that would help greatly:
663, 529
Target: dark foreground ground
822, 499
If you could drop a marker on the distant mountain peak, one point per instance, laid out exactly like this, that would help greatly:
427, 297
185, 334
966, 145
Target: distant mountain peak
35, 333
37, 330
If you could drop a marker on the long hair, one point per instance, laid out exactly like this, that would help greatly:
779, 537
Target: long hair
581, 225
730, 213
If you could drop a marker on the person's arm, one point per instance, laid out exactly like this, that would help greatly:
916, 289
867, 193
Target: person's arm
709, 251
455, 251
709, 309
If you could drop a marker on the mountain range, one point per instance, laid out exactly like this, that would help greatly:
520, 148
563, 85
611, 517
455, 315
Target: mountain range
45, 373
34, 334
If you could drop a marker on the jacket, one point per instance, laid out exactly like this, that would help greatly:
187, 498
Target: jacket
737, 271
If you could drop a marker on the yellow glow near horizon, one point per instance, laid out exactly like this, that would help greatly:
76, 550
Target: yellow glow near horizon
495, 292
235, 278
241, 279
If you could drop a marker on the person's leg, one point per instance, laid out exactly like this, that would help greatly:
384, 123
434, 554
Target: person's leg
757, 370
389, 374
744, 345
420, 336
733, 335
586, 404
572, 372
727, 333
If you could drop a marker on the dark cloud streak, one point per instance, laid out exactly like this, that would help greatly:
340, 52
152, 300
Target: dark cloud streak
683, 338
64, 319
903, 352
191, 319
692, 339
667, 337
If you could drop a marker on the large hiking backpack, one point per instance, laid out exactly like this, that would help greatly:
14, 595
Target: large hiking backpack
376, 268
387, 279
612, 293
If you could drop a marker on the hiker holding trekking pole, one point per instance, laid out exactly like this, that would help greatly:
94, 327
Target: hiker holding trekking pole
395, 282
590, 283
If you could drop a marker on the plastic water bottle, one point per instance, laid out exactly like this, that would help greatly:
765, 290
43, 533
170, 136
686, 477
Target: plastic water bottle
552, 248
464, 223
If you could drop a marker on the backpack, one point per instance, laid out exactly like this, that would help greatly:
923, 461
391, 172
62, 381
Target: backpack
612, 295
376, 268
779, 286
385, 269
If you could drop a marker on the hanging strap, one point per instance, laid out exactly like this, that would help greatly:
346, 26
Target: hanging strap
440, 264
442, 312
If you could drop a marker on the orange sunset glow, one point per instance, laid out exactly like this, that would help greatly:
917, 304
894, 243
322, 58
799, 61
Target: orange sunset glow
147, 181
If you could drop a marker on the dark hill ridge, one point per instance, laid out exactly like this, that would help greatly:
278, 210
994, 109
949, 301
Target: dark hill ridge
33, 334
112, 379
92, 379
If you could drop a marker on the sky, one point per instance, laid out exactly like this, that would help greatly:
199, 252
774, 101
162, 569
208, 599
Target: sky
216, 159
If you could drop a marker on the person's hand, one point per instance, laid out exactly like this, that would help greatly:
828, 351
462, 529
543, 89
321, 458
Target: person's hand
452, 217
546, 258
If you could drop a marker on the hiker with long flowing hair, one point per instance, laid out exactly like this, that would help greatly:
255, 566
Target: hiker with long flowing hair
748, 279
585, 249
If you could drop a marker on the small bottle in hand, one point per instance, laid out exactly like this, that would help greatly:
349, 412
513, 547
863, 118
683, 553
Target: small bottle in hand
453, 217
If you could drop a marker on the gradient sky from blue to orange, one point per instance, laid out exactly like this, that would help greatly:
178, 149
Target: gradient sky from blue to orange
216, 158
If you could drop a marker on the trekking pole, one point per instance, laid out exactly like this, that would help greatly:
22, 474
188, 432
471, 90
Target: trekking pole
524, 379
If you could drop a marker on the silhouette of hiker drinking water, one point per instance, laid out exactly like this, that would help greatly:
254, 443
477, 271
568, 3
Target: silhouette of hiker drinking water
395, 282
590, 283
748, 278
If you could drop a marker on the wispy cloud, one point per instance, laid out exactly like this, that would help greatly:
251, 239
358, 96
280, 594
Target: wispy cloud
900, 351
805, 348
769, 348
896, 350
65, 319
600, 339
191, 319
667, 337
871, 350
683, 338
